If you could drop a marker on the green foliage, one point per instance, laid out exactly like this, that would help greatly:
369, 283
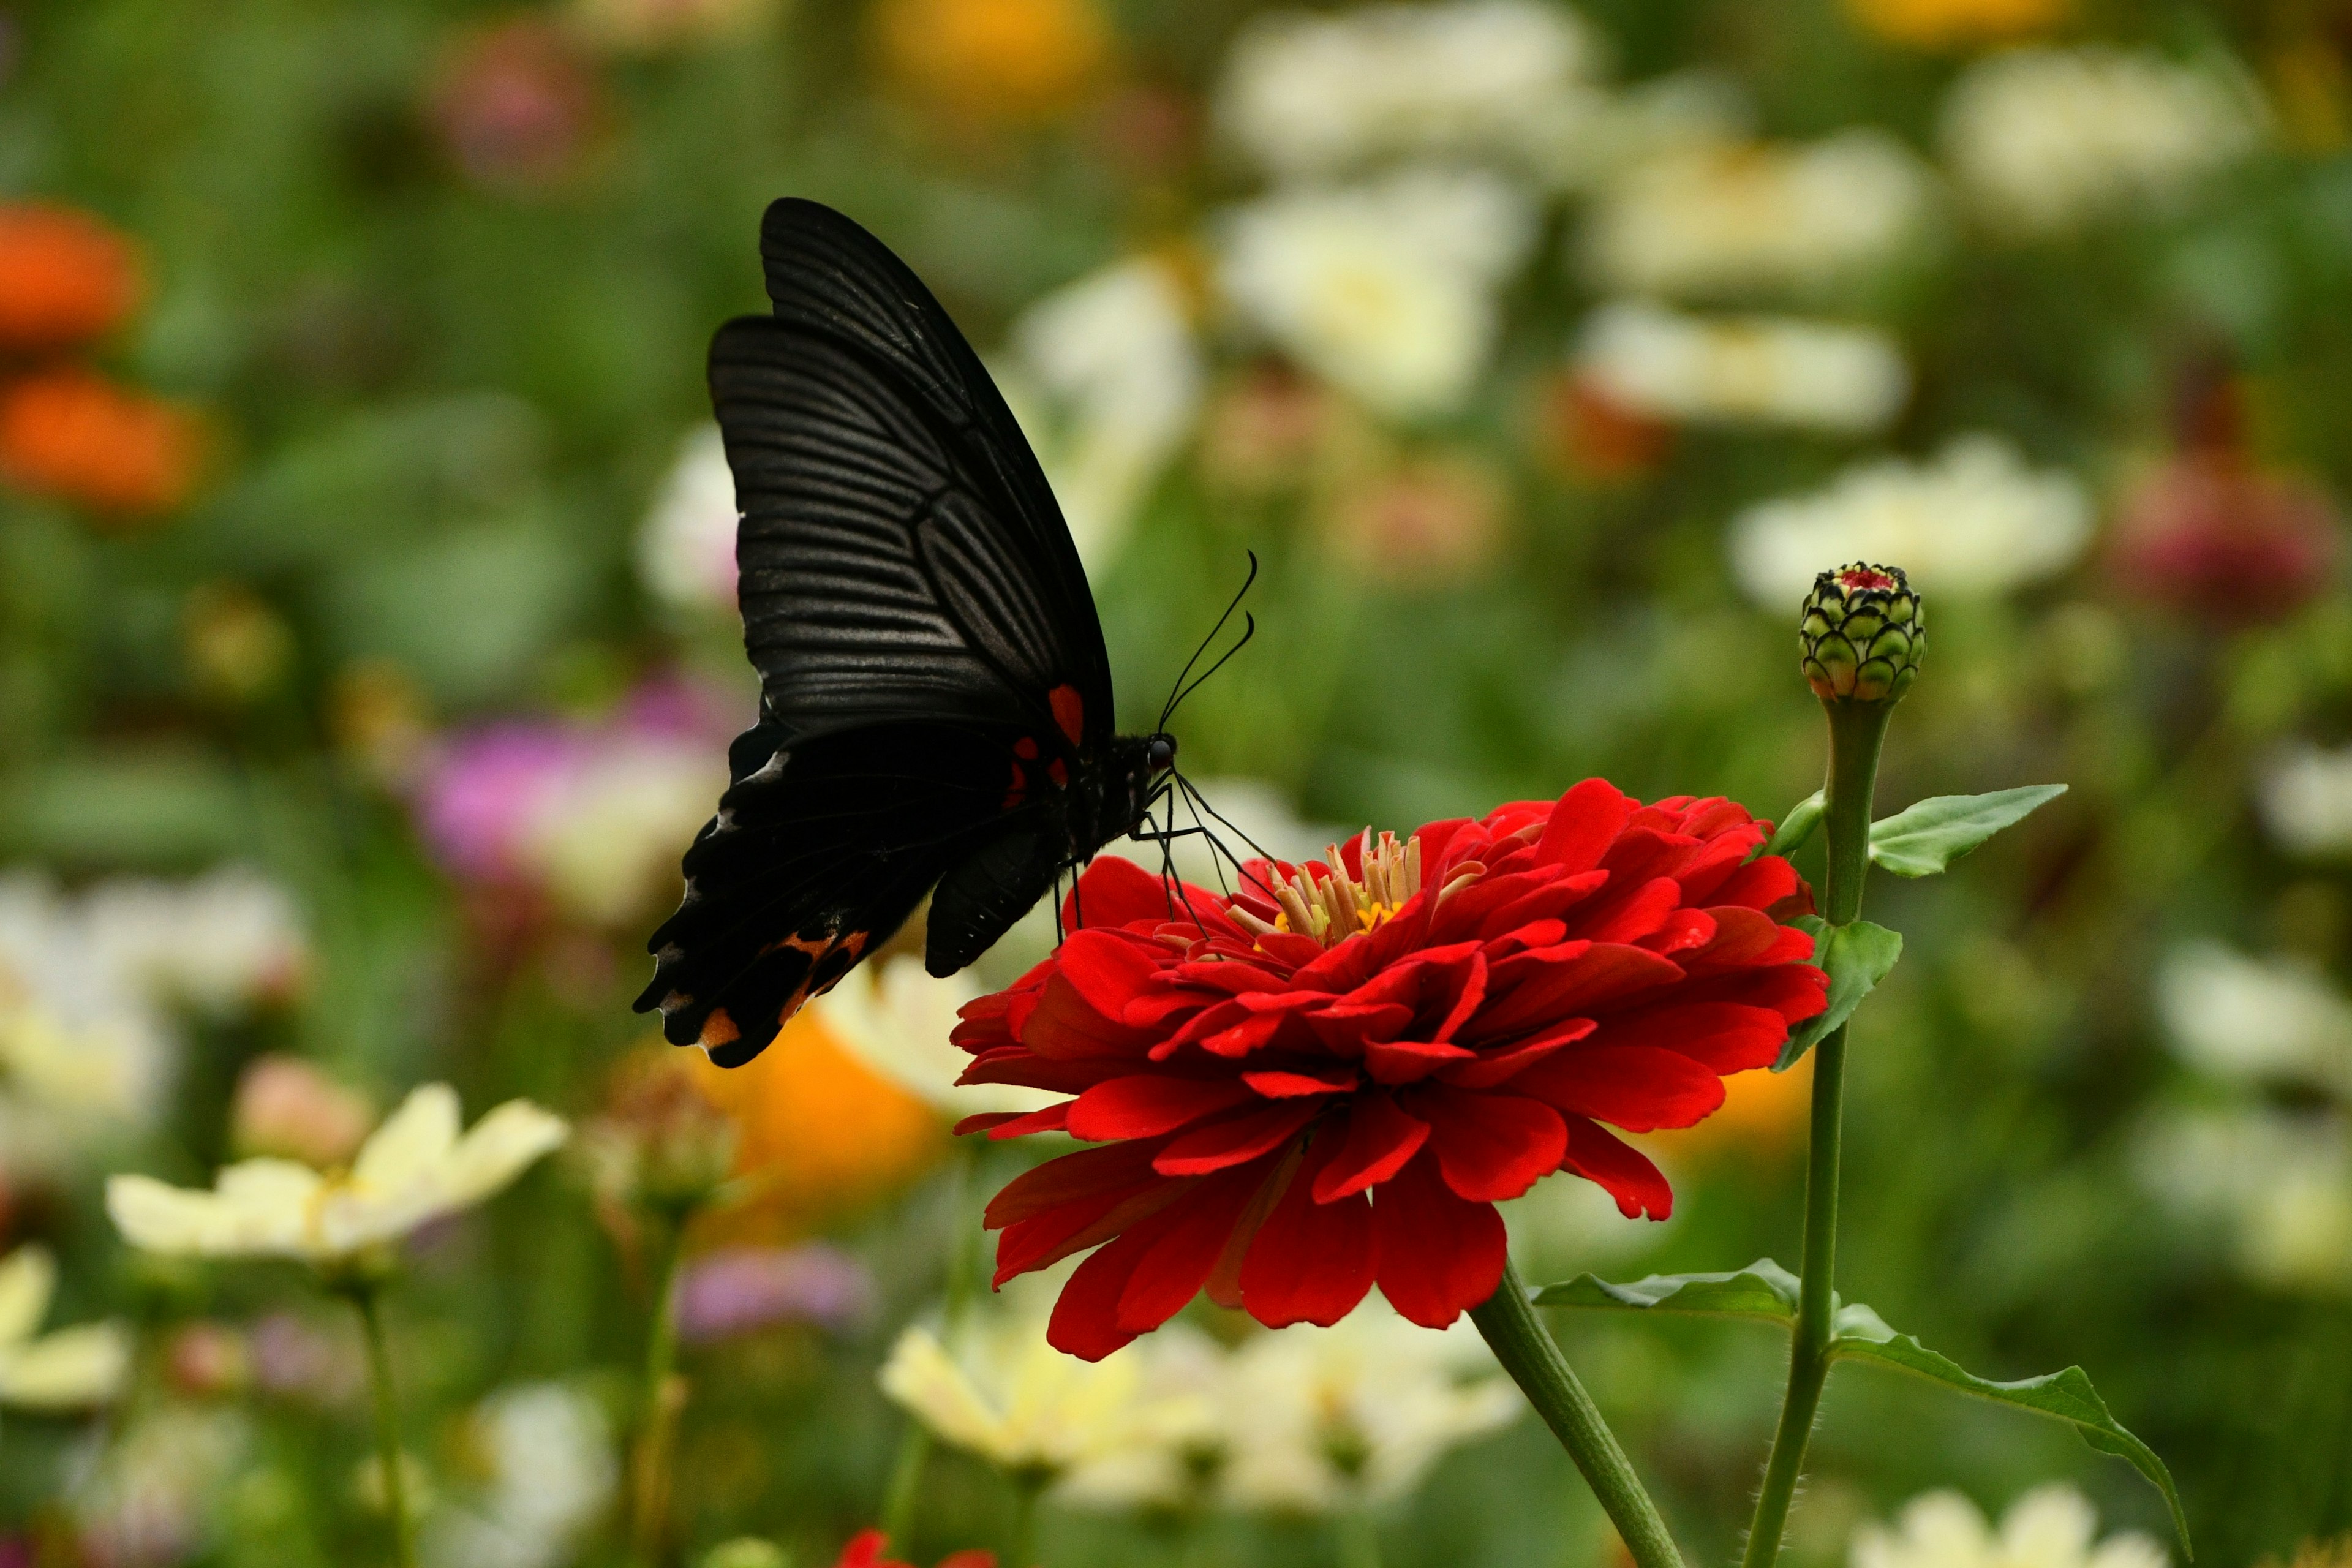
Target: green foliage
1797, 829
1857, 957
1924, 838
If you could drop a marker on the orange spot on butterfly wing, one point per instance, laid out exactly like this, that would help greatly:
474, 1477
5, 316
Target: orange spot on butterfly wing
1069, 712
718, 1029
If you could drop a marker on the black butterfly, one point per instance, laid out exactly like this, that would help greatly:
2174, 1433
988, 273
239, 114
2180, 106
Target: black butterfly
935, 706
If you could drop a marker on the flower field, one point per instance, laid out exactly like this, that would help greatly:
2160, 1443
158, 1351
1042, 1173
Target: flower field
1436, 1150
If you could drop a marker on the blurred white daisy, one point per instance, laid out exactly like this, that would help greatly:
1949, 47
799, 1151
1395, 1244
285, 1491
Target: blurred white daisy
64, 1369
546, 1474
686, 547
2049, 1526
1308, 94
1767, 370
2255, 1019
2306, 800
2045, 140
1708, 218
1972, 521
2274, 1187
1106, 378
415, 1168
1387, 288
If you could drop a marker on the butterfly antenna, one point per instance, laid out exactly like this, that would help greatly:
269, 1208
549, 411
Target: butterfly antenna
1249, 630
1177, 692
1199, 804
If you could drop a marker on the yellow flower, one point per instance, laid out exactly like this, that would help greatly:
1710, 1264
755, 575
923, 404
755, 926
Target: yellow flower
1014, 62
1956, 24
415, 1168
76, 1366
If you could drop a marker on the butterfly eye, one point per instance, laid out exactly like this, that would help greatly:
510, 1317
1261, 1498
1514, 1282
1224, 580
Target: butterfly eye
1162, 753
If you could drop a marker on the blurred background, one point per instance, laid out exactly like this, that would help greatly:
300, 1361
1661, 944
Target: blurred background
368, 654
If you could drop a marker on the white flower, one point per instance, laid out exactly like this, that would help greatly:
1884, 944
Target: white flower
1714, 218
2274, 1187
2046, 140
1386, 289
685, 548
2245, 1018
2307, 801
59, 1371
895, 1016
415, 1168
1973, 520
1743, 369
213, 943
1312, 95
2049, 1526
1107, 380
608, 829
1003, 1394
546, 1451
149, 1497
1331, 1418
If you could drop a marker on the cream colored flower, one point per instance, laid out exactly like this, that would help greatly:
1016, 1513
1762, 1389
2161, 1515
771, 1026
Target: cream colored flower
895, 1016
2049, 1526
1973, 520
1107, 380
2307, 801
2255, 1019
607, 833
1003, 1394
1308, 94
1330, 1418
686, 547
64, 1369
546, 1473
2046, 140
1710, 217
1770, 370
1386, 289
415, 1168
2272, 1186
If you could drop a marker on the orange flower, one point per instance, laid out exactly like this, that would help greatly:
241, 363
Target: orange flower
1021, 61
1956, 24
65, 277
1763, 1112
71, 434
817, 1133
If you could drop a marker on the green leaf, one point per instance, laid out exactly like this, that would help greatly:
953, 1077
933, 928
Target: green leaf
1762, 1290
1922, 839
1799, 825
1857, 957
2068, 1395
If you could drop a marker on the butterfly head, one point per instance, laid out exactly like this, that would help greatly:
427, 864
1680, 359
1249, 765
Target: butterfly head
1160, 752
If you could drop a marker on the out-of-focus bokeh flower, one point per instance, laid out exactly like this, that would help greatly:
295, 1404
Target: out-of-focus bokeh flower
818, 1134
895, 1017
591, 815
1764, 370
73, 434
381, 722
64, 1369
2049, 1526
736, 1290
1426, 522
1308, 94
517, 104
415, 1168
649, 26
2255, 1020
866, 1549
206, 1360
1592, 436
64, 277
1386, 289
238, 646
291, 1357
1710, 218
1000, 1391
2306, 800
657, 1143
1269, 430
288, 1107
1974, 519
1763, 1112
2047, 140
686, 550
2208, 536
543, 1472
1106, 379
1323, 1419
1011, 62
1957, 24
2272, 1187
153, 1497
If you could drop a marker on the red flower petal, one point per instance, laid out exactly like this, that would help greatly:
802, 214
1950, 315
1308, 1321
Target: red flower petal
1583, 824
1114, 891
1725, 1036
1490, 1147
1136, 1283
1290, 1085
1233, 1141
1016, 1124
1758, 885
1144, 1105
1380, 1138
1501, 1065
1621, 1170
1439, 1255
1107, 970
1639, 913
1548, 989
1638, 1087
1311, 1262
1410, 1061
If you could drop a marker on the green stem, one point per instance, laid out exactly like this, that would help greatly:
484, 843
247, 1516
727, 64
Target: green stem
1857, 729
1534, 1363
664, 1396
387, 1425
963, 1268
1021, 1548
1360, 1542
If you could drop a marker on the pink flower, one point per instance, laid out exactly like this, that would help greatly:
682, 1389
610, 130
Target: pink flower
2211, 537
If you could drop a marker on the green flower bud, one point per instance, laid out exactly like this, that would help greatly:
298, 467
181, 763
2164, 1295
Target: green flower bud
1861, 635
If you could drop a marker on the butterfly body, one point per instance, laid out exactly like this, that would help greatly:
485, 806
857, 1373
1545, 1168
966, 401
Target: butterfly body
935, 698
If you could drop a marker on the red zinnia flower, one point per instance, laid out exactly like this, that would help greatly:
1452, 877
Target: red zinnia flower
1330, 1080
866, 1548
